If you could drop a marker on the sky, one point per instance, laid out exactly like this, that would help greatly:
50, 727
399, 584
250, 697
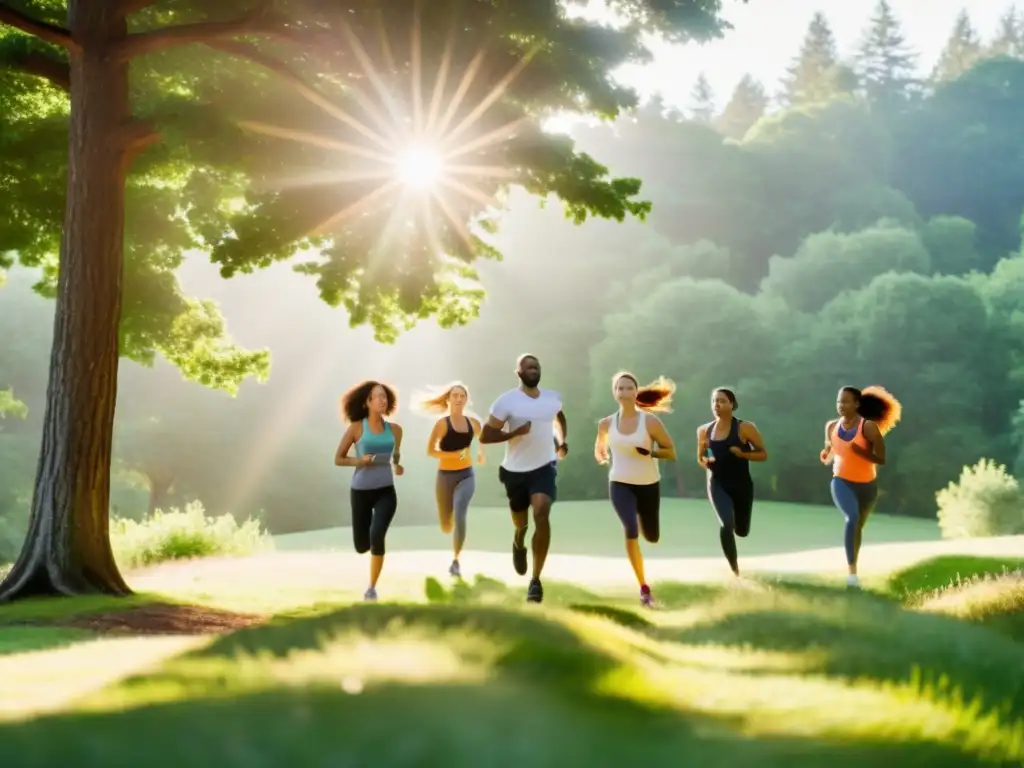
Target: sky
765, 38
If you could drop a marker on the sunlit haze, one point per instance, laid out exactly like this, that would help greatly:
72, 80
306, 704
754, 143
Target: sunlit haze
420, 167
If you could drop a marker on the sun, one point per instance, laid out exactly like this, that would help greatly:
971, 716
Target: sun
419, 167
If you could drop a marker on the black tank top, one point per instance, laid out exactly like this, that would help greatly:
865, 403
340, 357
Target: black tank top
727, 467
454, 441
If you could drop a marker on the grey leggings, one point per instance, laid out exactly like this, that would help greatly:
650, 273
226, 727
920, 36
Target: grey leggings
455, 489
855, 501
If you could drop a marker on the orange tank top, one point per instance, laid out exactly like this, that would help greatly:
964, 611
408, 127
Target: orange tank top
846, 464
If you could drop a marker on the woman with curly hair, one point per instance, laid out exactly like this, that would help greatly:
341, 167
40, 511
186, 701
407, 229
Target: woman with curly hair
855, 446
725, 448
378, 444
450, 442
633, 439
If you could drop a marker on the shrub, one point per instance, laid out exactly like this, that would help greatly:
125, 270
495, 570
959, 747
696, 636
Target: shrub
985, 501
184, 534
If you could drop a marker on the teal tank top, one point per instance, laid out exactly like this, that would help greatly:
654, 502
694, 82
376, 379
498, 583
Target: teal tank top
381, 447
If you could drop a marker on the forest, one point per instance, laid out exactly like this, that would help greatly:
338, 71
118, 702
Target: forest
859, 224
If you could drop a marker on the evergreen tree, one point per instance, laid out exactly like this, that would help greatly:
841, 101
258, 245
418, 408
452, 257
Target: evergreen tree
884, 62
702, 101
962, 51
815, 75
748, 104
1009, 37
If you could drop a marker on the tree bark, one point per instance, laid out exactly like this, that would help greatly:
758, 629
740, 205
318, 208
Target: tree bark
67, 550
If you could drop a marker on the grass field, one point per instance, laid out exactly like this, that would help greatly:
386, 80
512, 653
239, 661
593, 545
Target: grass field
689, 528
771, 671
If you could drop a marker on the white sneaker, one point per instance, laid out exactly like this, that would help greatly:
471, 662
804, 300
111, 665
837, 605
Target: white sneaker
852, 582
370, 595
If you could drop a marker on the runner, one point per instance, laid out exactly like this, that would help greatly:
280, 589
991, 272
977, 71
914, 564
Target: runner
378, 444
628, 438
534, 444
855, 445
725, 448
450, 442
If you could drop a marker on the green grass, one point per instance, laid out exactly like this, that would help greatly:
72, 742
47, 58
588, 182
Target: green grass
771, 675
689, 528
923, 671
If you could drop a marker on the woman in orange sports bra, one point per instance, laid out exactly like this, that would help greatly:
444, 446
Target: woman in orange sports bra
450, 442
855, 446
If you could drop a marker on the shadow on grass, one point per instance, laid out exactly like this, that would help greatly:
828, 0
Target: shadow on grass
14, 640
947, 570
546, 702
860, 636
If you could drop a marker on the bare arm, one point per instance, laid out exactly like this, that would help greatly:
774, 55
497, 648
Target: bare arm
750, 435
702, 445
435, 437
341, 457
601, 443
826, 452
396, 457
876, 451
493, 431
666, 449
561, 432
480, 457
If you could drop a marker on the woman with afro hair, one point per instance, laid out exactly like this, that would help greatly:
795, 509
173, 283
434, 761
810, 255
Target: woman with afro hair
378, 444
855, 446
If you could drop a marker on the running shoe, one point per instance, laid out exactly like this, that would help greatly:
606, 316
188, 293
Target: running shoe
646, 598
454, 571
370, 595
535, 594
519, 556
852, 582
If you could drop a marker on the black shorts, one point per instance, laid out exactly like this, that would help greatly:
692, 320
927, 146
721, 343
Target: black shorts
520, 486
638, 507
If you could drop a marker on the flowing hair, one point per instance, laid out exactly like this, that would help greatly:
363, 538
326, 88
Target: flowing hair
438, 402
655, 397
877, 404
353, 402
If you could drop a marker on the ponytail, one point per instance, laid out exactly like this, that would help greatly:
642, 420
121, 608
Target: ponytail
655, 397
438, 402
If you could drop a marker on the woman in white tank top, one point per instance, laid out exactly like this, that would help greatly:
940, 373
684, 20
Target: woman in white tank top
633, 439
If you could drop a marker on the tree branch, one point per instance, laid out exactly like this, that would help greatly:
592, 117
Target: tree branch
49, 68
51, 33
138, 136
141, 43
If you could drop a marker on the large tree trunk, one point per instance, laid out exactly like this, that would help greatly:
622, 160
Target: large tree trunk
67, 550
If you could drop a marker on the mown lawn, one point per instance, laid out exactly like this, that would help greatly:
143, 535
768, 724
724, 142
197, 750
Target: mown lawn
688, 529
766, 674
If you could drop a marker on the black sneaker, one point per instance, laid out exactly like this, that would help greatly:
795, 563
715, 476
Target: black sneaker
519, 556
535, 594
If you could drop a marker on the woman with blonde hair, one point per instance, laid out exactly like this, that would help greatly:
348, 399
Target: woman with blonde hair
633, 439
450, 442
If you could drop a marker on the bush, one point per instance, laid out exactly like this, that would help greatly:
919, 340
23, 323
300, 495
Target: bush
986, 501
184, 534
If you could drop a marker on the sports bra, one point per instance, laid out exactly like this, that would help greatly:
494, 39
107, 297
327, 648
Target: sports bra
453, 441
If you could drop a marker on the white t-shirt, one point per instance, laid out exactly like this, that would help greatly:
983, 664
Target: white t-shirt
628, 466
537, 447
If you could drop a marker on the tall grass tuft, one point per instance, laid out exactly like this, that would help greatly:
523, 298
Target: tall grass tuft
183, 534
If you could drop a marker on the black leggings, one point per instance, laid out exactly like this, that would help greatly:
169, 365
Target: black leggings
734, 505
372, 513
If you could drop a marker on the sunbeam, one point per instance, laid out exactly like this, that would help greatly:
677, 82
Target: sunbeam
421, 129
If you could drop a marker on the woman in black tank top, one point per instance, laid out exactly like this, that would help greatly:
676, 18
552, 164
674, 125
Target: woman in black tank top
725, 448
450, 442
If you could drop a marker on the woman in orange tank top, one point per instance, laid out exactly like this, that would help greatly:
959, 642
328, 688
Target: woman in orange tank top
450, 442
855, 446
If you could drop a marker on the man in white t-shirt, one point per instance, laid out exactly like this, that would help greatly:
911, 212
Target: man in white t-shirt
534, 442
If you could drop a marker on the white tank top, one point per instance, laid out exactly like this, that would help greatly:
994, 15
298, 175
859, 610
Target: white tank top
628, 466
